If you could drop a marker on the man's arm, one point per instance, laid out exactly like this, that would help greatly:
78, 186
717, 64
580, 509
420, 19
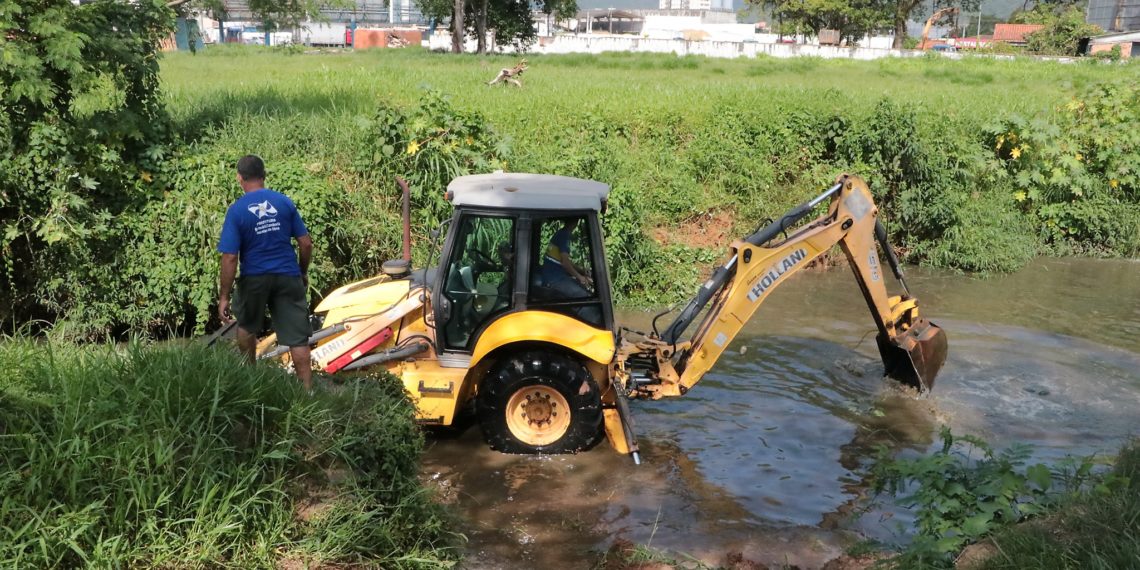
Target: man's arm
305, 244
573, 270
228, 272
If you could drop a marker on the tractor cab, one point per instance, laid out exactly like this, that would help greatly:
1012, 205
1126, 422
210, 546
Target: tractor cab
519, 243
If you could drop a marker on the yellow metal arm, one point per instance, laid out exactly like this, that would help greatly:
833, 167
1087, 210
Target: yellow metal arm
913, 349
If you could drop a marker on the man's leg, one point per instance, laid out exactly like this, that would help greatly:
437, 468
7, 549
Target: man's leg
247, 343
289, 305
303, 364
249, 309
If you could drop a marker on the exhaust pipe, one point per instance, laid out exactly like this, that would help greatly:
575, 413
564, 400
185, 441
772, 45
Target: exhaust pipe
407, 218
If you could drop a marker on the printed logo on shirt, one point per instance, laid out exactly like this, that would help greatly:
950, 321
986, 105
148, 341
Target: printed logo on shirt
263, 209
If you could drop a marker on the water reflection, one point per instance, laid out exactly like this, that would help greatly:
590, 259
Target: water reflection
768, 454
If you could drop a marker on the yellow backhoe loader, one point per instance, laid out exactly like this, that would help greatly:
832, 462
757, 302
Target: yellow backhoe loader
516, 322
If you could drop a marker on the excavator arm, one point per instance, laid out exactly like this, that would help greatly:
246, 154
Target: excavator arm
912, 348
924, 43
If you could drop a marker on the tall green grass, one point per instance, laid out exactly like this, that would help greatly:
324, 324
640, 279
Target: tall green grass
181, 456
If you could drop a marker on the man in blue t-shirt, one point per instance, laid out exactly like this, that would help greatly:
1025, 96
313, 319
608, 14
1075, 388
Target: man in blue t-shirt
258, 230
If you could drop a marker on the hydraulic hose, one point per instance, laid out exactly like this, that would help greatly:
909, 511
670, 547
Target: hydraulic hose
388, 355
724, 273
317, 336
889, 252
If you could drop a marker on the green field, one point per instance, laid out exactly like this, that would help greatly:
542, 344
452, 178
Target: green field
687, 140
978, 164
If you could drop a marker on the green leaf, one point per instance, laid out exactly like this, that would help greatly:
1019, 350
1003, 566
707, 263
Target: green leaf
1040, 475
977, 525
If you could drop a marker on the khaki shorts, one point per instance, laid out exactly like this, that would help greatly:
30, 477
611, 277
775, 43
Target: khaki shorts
287, 300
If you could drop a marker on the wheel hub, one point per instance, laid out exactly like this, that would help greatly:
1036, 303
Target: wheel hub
538, 415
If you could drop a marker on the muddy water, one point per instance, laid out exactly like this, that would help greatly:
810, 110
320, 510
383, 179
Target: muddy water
767, 455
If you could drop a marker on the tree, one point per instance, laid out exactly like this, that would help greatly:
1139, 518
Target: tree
508, 21
1064, 28
83, 133
453, 11
853, 19
905, 9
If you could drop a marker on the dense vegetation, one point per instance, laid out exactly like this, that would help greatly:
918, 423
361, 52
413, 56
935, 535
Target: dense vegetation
180, 457
979, 164
968, 492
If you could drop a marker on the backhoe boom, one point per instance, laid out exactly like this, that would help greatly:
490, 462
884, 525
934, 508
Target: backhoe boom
913, 349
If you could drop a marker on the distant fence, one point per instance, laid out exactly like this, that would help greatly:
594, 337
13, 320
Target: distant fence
602, 44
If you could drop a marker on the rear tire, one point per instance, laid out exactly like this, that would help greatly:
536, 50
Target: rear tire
530, 404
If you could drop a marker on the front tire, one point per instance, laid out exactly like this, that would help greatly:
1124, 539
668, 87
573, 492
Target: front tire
530, 403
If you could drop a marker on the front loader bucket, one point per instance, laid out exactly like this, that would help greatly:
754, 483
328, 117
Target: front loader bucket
915, 356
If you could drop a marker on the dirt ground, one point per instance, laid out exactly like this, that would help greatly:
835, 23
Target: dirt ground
709, 230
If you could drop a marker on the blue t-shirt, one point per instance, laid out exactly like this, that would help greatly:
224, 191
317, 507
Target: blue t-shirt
259, 228
552, 270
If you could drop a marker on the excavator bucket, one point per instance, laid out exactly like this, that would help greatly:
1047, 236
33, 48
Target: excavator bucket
915, 356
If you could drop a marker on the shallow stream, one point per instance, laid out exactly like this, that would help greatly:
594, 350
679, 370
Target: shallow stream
767, 455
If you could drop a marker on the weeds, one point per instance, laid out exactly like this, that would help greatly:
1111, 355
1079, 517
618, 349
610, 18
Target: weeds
183, 457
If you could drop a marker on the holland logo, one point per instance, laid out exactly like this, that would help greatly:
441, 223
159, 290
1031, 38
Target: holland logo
263, 209
773, 274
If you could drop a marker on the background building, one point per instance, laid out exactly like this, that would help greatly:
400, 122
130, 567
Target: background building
720, 5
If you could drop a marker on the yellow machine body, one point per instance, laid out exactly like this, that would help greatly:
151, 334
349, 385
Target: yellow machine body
391, 322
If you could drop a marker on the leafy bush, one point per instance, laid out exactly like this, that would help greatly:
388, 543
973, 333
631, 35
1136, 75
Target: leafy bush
1075, 169
83, 132
429, 147
1095, 529
967, 490
181, 456
1065, 26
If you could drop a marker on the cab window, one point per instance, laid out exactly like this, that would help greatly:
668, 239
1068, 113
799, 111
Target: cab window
478, 281
563, 277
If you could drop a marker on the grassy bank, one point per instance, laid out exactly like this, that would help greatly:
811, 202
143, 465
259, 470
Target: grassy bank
183, 457
978, 164
978, 506
1098, 530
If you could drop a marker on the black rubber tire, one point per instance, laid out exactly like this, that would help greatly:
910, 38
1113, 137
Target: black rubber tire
540, 368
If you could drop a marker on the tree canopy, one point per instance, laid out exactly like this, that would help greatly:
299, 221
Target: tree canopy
1065, 26
854, 19
509, 22
82, 129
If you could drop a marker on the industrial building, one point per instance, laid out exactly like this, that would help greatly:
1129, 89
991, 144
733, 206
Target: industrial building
237, 23
719, 5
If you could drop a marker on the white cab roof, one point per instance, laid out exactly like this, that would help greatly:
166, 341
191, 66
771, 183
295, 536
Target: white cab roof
527, 191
